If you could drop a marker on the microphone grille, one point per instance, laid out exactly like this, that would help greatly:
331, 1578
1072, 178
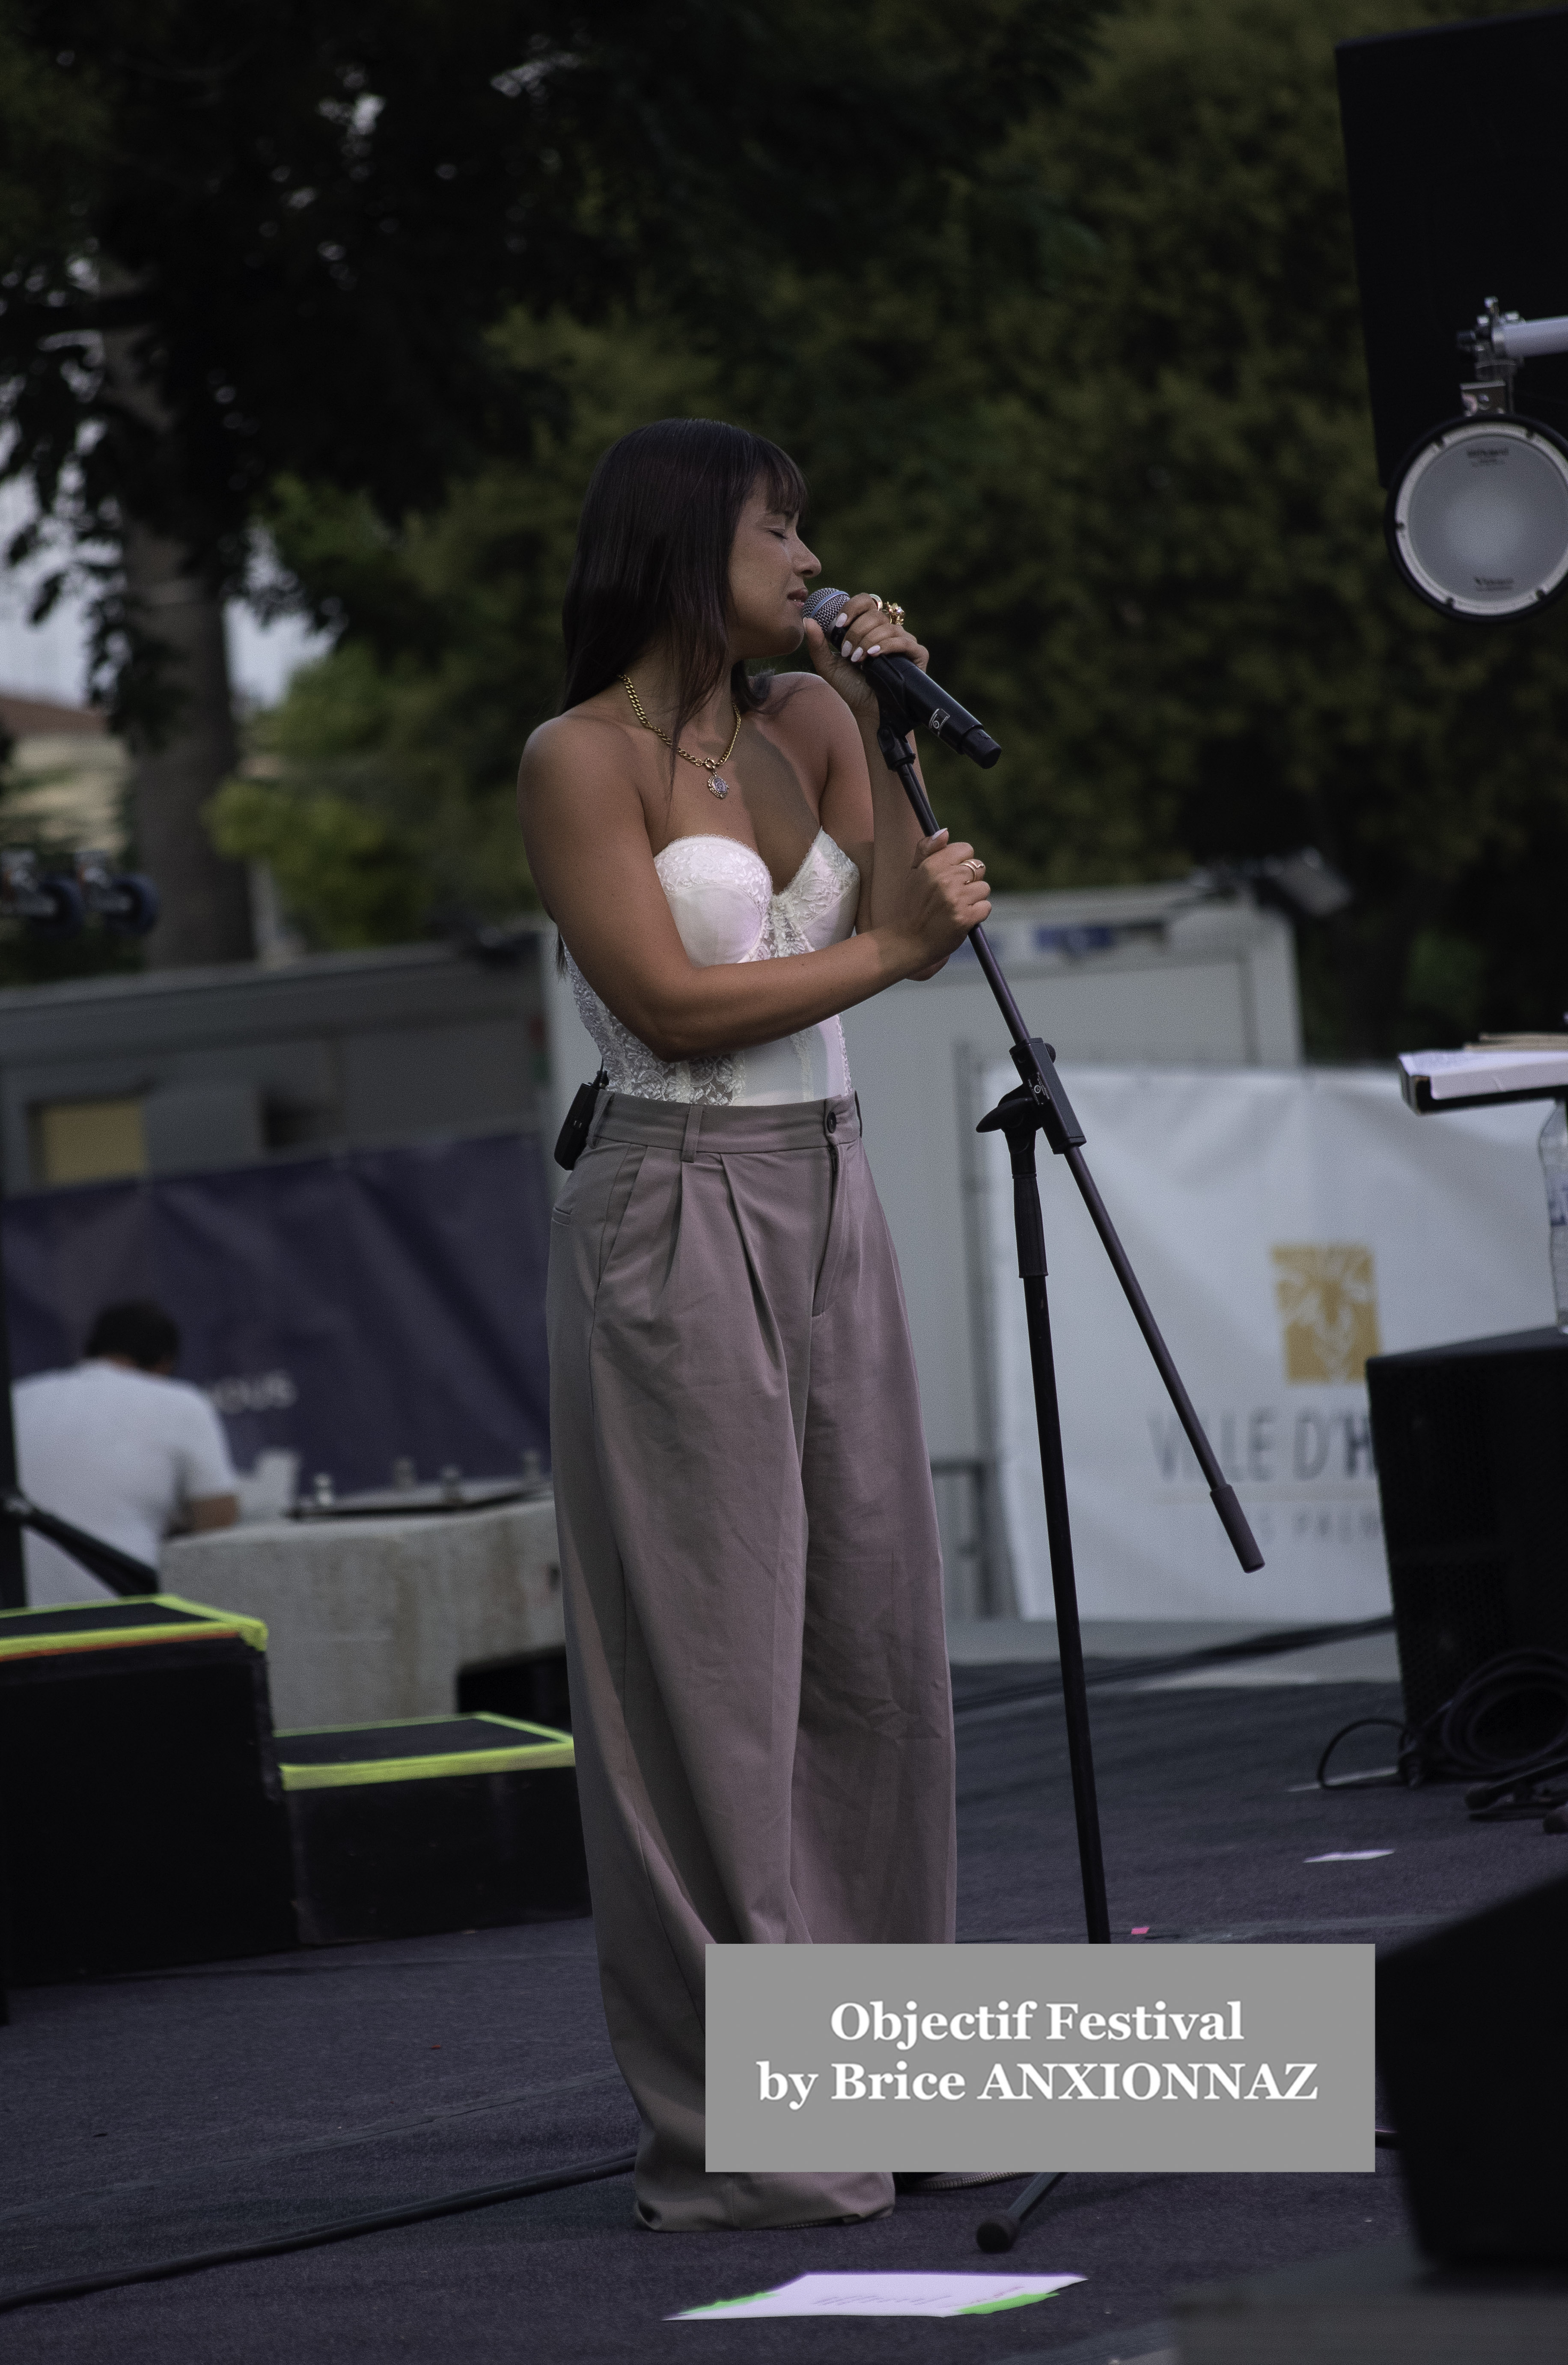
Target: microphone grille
824, 605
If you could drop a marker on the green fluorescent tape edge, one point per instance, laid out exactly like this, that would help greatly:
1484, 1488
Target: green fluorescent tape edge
533, 1759
405, 1723
217, 1622
254, 1630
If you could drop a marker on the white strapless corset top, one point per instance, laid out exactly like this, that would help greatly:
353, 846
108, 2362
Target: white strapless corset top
721, 894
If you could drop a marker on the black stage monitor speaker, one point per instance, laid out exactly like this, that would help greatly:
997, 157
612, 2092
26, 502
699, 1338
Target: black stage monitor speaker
463, 1822
531, 1689
1456, 143
1471, 1447
141, 1817
1473, 2044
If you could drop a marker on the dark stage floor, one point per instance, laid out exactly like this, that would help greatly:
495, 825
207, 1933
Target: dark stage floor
149, 2117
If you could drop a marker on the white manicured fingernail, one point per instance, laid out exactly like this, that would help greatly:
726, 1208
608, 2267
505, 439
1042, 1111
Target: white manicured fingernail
856, 656
875, 650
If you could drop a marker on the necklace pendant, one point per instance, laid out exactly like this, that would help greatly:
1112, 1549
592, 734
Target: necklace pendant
719, 787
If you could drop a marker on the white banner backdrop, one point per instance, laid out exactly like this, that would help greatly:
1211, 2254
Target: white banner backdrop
1284, 1227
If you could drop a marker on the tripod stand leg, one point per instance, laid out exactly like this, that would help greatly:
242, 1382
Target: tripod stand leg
1000, 2233
1058, 1528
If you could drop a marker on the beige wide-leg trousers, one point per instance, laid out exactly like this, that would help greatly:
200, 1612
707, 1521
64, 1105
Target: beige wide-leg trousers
753, 1590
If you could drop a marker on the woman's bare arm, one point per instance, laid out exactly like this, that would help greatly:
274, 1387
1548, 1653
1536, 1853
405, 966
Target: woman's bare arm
586, 838
861, 790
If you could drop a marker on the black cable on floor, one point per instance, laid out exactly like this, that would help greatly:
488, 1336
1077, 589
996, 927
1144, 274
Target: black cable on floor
1507, 1721
377, 2131
1508, 1718
1404, 1770
1209, 1654
313, 2238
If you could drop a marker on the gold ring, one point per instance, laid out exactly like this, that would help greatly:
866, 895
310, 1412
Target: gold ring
895, 613
880, 601
976, 869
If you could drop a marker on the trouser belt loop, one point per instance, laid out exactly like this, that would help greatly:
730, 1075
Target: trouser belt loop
693, 1129
858, 1118
600, 1113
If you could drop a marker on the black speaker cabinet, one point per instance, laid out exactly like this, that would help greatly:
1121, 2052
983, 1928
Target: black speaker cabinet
1471, 1446
1472, 2043
1458, 164
141, 1816
463, 1822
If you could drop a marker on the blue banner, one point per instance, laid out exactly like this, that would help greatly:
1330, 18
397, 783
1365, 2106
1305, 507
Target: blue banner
355, 1308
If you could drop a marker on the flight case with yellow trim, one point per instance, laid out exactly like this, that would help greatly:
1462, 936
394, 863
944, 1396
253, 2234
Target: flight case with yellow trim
447, 1822
141, 1815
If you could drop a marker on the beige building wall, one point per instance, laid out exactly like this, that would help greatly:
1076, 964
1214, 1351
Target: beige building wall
68, 775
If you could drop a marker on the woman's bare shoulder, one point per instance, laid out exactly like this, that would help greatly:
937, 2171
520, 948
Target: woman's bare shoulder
574, 751
803, 705
581, 730
802, 691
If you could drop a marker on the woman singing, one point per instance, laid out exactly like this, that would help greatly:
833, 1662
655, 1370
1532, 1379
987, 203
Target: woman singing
748, 1541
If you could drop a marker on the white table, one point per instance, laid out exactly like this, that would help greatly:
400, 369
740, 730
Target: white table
375, 1618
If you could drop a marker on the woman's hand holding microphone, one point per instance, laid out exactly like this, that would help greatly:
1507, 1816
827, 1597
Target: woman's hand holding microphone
946, 897
944, 894
864, 627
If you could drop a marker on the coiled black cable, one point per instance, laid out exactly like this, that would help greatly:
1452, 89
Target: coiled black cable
1509, 1715
1506, 1722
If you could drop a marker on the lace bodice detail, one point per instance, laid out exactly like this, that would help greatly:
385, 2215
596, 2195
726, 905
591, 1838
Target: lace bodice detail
721, 895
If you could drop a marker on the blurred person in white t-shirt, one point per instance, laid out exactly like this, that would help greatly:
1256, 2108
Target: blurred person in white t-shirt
119, 1447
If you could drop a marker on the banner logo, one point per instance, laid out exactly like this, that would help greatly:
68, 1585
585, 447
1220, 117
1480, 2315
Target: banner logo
1326, 1298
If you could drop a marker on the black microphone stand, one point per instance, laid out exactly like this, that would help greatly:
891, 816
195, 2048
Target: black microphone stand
1039, 1105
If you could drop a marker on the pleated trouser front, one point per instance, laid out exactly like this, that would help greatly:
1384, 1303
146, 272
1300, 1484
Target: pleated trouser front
752, 1579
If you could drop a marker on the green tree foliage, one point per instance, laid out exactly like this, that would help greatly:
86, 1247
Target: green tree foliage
1133, 510
1224, 660
278, 232
383, 790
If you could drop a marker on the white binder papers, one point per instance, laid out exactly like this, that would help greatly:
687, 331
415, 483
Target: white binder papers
1499, 1068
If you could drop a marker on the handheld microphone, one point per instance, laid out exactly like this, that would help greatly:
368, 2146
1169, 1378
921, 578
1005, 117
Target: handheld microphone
903, 686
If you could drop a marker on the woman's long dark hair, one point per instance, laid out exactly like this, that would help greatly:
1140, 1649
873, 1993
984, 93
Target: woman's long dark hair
652, 557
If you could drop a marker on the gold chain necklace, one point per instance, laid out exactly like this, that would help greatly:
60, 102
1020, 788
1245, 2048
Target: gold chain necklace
710, 763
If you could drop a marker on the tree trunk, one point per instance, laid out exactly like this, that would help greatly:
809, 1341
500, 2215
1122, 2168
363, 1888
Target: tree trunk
205, 899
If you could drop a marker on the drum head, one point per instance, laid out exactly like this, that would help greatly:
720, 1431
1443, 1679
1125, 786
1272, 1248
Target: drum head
1478, 518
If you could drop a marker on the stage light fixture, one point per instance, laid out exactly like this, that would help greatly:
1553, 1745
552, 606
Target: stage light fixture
1477, 517
1301, 884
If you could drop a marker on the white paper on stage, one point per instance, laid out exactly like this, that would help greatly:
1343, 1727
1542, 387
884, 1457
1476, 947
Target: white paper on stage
886, 2294
1284, 1227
